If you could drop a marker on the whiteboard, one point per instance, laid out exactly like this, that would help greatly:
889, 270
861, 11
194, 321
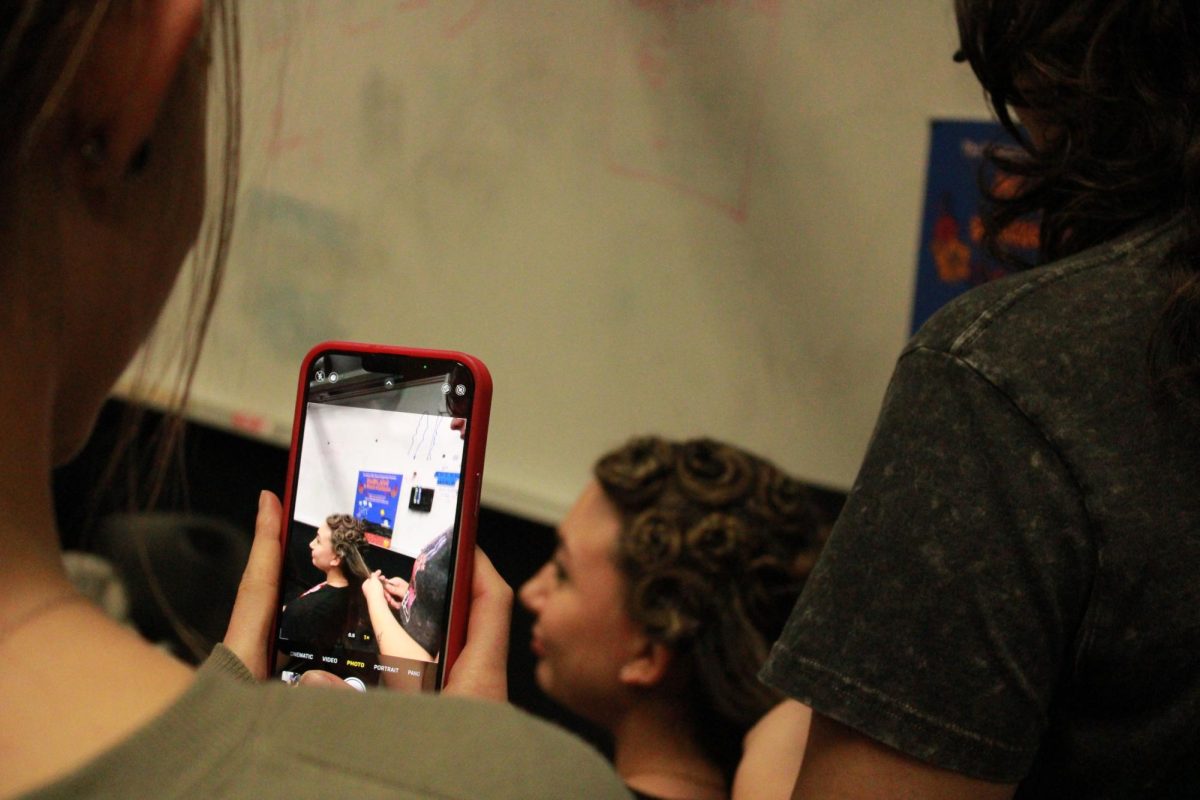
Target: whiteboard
676, 216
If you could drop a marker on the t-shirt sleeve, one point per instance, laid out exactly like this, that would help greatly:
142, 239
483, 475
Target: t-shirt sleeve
425, 603
947, 603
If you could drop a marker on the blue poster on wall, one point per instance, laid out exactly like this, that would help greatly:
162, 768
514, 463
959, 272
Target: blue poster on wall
951, 258
377, 498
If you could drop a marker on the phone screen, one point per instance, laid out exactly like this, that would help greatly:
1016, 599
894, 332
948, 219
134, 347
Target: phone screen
374, 519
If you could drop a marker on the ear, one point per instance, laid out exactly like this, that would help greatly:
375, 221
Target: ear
648, 666
127, 72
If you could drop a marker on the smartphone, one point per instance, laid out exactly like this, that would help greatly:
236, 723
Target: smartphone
380, 511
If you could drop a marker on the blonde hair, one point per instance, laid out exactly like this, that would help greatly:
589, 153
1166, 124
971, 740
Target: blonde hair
43, 44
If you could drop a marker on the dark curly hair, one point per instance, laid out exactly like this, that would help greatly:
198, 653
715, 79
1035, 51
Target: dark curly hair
1118, 83
714, 546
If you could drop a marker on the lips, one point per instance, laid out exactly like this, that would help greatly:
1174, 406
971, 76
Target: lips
535, 644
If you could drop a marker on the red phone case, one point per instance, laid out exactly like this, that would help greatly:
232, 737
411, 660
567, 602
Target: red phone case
472, 477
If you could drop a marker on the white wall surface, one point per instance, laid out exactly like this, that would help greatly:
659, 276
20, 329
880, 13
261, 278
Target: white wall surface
339, 442
684, 217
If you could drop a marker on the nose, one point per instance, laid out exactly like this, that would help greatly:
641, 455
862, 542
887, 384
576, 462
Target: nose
534, 590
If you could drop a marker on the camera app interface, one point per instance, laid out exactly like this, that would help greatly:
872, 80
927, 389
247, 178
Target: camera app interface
372, 536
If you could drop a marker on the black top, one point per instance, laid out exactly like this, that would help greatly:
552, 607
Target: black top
1012, 590
422, 611
317, 618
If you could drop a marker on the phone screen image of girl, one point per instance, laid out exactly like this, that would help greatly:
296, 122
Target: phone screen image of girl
332, 614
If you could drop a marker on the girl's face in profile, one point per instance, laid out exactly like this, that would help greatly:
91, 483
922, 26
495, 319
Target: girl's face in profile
582, 635
323, 557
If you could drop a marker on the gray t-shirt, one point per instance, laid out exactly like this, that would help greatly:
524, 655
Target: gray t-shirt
1012, 590
230, 738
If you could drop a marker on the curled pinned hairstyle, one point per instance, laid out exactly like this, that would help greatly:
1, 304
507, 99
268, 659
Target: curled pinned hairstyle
348, 537
1117, 84
714, 546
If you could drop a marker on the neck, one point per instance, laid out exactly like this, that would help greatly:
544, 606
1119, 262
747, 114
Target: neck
30, 562
54, 720
656, 752
335, 578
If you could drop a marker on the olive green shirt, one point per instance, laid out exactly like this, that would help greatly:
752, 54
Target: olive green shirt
230, 737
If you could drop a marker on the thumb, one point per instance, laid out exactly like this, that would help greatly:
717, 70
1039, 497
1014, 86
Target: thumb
323, 679
254, 609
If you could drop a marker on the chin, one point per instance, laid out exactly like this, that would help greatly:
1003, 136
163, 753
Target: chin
76, 409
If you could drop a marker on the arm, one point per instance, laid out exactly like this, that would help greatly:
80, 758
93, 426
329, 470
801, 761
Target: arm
839, 762
392, 638
771, 753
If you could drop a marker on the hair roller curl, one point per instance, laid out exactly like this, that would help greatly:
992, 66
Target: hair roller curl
634, 475
718, 543
784, 502
714, 474
670, 605
346, 534
653, 538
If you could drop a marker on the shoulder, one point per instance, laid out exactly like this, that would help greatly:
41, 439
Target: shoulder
447, 747
1116, 288
228, 737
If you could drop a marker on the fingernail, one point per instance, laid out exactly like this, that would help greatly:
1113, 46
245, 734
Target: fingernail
262, 499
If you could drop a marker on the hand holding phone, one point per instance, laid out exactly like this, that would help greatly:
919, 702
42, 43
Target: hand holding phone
381, 508
481, 670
